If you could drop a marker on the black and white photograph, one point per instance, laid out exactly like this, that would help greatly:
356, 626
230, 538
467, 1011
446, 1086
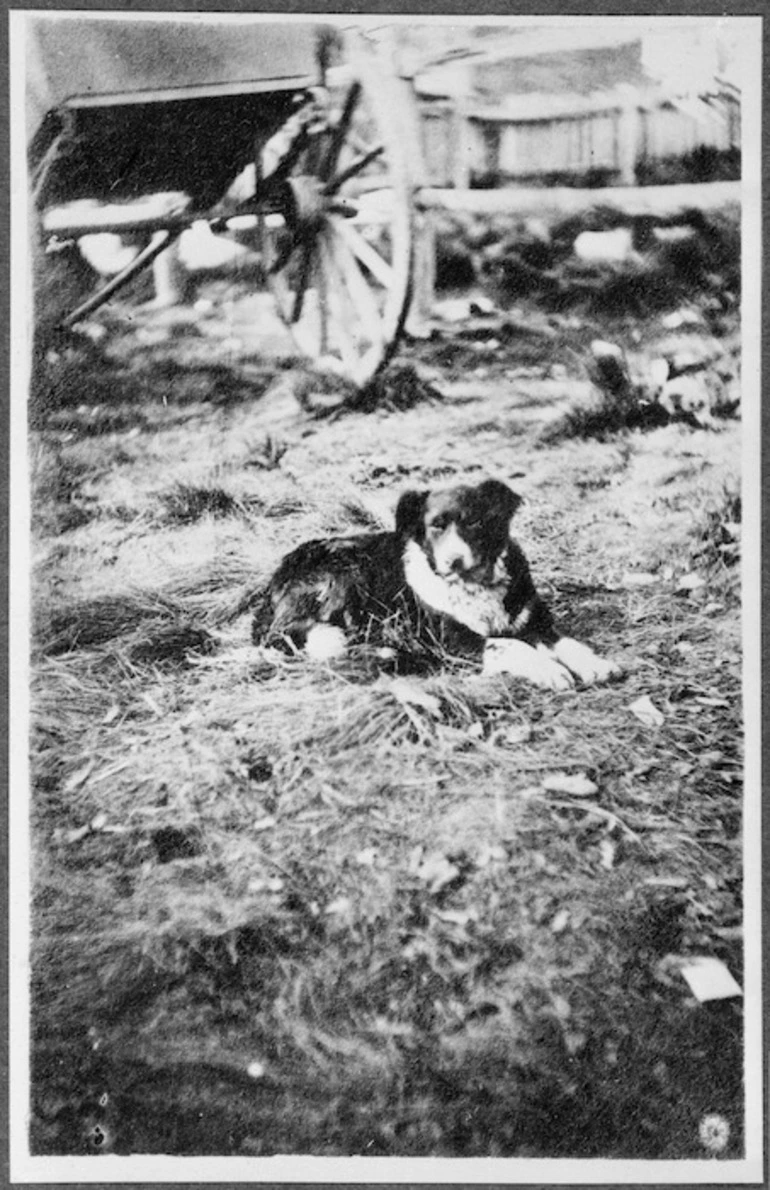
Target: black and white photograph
385, 520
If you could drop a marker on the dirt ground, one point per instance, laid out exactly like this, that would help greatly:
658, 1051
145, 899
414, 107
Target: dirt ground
281, 907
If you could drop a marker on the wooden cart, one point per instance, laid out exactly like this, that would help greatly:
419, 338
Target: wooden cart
141, 126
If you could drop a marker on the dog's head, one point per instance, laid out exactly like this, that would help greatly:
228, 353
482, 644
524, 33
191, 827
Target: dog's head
463, 530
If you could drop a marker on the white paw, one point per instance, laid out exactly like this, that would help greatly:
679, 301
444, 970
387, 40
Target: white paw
520, 660
583, 662
604, 670
325, 643
553, 676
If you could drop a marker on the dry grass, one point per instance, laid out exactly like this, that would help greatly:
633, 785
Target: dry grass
399, 387
656, 278
717, 544
282, 907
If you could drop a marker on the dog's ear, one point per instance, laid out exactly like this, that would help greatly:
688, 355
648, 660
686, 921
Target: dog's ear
497, 499
410, 515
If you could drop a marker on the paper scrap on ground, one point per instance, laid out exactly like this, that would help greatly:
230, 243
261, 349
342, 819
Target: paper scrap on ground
690, 582
576, 784
709, 979
646, 712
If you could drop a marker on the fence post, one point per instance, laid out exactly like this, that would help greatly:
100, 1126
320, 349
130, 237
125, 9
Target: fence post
424, 225
424, 274
629, 135
169, 277
460, 174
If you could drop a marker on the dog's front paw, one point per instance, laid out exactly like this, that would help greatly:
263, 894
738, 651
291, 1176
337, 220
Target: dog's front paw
324, 642
551, 674
520, 660
584, 663
603, 670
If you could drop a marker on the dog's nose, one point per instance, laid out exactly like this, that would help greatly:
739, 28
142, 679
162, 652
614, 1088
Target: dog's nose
451, 553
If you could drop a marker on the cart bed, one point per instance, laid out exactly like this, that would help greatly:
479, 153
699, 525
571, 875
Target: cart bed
153, 106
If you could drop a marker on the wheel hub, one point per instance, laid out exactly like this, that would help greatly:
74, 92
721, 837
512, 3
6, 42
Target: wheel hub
308, 203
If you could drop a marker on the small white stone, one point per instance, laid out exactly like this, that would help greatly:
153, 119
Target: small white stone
606, 246
690, 582
573, 784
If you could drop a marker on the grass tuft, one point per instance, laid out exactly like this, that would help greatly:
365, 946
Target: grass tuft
171, 644
187, 503
716, 544
603, 419
152, 627
719, 534
93, 622
397, 388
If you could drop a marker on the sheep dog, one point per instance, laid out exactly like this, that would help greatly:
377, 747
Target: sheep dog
448, 579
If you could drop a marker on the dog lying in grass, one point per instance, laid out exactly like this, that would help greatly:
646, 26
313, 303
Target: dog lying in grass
449, 578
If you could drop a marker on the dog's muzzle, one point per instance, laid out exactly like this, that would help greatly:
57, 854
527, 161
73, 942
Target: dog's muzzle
452, 554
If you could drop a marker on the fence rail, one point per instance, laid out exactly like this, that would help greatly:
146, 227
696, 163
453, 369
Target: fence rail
664, 202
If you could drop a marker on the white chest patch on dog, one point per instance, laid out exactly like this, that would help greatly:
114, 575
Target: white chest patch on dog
478, 607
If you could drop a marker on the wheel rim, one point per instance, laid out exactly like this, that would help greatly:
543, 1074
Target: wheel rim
338, 248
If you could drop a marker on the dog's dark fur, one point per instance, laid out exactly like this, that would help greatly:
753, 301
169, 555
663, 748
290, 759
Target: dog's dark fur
449, 577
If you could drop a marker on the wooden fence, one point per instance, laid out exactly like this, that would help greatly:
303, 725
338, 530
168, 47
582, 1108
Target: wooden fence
610, 139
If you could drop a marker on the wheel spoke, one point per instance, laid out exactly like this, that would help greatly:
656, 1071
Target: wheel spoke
302, 280
356, 167
314, 156
340, 132
376, 264
345, 343
283, 257
368, 184
362, 298
323, 301
261, 228
287, 163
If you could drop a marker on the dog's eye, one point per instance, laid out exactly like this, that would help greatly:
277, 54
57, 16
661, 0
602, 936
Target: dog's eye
441, 522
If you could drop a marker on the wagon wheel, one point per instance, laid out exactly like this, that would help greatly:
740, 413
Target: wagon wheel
337, 246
